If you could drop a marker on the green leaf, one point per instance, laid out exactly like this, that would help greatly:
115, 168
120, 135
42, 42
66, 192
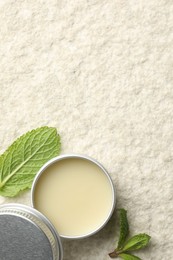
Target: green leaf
129, 257
124, 227
22, 160
137, 242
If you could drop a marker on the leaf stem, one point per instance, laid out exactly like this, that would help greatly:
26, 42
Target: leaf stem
115, 253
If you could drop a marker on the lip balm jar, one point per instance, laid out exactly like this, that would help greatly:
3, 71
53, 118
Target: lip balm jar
76, 193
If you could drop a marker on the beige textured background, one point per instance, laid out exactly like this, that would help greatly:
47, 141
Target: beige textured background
101, 72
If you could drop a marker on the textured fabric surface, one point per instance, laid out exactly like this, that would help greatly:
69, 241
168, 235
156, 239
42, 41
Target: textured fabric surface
101, 72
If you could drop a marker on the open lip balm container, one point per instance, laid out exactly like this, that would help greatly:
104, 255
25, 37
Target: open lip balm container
75, 193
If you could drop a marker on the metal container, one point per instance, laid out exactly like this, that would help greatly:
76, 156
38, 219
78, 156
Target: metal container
27, 234
67, 156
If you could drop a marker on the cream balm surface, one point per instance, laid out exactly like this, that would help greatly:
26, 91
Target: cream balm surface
75, 194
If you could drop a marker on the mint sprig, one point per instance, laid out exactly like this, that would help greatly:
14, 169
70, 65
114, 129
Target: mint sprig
136, 242
124, 227
22, 160
129, 257
132, 244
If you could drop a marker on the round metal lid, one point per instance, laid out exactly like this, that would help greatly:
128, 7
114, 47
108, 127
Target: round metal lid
27, 234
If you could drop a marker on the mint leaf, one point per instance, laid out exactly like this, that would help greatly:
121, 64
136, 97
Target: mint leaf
136, 242
22, 160
129, 257
124, 227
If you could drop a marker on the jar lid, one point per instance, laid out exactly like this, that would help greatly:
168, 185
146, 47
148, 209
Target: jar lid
27, 234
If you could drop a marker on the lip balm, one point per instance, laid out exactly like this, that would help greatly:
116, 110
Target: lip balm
75, 193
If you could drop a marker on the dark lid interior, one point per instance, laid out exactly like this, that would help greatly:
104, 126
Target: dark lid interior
20, 239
